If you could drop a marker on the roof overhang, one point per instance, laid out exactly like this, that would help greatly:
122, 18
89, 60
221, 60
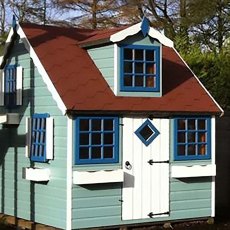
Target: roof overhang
145, 28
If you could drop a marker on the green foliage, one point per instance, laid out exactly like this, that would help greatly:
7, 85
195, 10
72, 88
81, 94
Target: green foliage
213, 69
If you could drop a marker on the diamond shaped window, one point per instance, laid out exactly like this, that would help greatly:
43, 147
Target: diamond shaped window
147, 132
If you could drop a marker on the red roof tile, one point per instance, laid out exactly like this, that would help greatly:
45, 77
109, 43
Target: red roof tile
83, 88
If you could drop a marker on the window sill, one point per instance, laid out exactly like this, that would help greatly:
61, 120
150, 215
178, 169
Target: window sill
9, 118
98, 177
36, 174
178, 171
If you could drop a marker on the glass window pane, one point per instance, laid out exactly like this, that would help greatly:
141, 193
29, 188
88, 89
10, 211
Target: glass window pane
128, 67
202, 149
181, 124
84, 125
149, 55
84, 153
108, 152
150, 68
139, 68
191, 124
128, 54
139, 81
96, 125
201, 124
181, 150
181, 137
96, 153
128, 81
84, 139
191, 137
108, 124
191, 149
139, 54
96, 139
150, 81
108, 138
202, 137
146, 132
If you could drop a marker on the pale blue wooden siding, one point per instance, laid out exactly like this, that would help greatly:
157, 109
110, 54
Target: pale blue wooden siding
103, 57
40, 202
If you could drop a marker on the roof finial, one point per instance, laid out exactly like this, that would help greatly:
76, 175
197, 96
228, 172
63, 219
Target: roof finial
14, 22
145, 26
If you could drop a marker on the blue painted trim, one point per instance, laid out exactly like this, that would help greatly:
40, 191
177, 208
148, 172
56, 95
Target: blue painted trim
145, 26
124, 88
38, 146
14, 22
186, 143
114, 145
152, 127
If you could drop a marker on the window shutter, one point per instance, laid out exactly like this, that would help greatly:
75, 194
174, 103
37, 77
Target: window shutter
19, 84
28, 136
49, 138
1, 87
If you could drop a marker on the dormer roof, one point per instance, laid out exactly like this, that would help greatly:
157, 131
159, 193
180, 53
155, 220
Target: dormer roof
81, 87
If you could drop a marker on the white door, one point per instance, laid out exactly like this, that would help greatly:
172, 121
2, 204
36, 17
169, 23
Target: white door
145, 191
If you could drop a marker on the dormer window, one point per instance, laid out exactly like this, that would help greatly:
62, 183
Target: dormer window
140, 68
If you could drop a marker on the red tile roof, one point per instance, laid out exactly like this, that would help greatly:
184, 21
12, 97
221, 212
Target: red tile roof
82, 87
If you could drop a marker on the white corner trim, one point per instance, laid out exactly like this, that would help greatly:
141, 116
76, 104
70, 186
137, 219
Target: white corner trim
69, 173
115, 88
213, 139
121, 35
213, 194
222, 111
42, 70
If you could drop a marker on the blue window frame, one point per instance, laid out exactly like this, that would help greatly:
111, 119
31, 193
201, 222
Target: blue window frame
38, 137
140, 68
10, 87
192, 138
147, 132
96, 140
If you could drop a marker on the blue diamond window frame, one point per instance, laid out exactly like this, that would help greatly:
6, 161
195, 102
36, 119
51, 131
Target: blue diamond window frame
149, 124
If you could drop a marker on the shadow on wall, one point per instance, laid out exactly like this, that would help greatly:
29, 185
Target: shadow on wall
223, 166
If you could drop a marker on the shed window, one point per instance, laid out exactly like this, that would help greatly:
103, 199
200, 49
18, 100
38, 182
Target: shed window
147, 132
96, 140
11, 86
40, 137
140, 68
192, 138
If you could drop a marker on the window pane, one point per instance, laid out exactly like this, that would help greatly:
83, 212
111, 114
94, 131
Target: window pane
84, 153
150, 81
201, 137
139, 68
108, 152
150, 68
191, 137
191, 149
84, 139
201, 124
149, 55
108, 124
181, 124
96, 153
128, 81
202, 149
146, 132
139, 80
191, 124
128, 54
96, 138
181, 150
139, 54
128, 68
108, 138
181, 137
96, 125
84, 125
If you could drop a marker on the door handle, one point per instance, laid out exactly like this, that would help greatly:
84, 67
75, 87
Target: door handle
128, 165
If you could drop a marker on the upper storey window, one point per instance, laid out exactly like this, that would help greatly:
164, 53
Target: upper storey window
140, 68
